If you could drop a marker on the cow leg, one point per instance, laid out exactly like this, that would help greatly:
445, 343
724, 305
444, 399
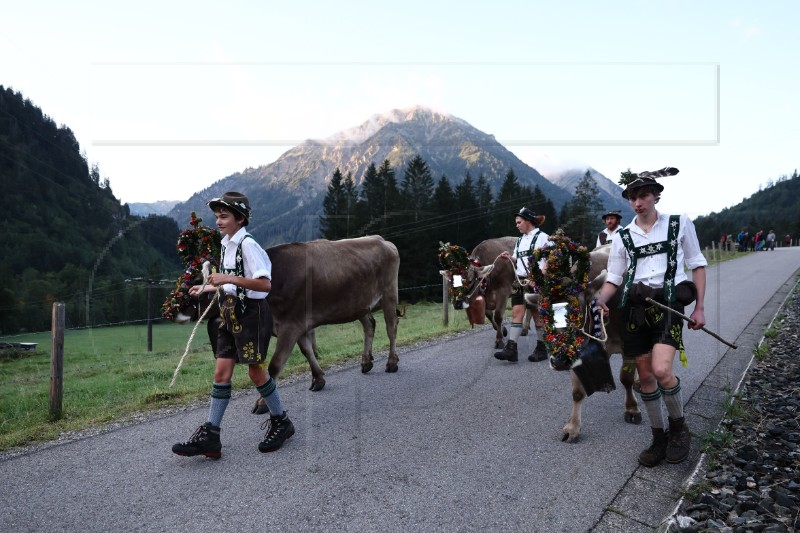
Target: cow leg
572, 429
368, 324
627, 376
283, 349
391, 319
308, 346
497, 323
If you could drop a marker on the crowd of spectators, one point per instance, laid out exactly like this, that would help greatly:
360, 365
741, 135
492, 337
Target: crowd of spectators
758, 241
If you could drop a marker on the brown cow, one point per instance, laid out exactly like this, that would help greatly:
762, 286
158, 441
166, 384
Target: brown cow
612, 345
491, 278
331, 282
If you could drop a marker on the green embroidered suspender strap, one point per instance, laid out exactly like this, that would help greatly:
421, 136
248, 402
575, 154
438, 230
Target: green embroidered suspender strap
238, 270
526, 253
669, 247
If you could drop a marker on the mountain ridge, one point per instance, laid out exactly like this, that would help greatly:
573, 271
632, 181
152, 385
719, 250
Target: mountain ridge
295, 184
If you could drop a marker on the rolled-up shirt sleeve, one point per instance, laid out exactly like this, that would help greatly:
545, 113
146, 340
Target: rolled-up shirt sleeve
617, 261
256, 261
692, 254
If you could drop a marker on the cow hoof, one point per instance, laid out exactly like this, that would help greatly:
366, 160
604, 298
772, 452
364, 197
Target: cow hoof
391, 368
260, 408
498, 345
566, 437
524, 333
633, 418
317, 385
366, 367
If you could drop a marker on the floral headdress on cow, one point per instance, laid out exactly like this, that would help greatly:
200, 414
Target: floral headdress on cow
566, 275
455, 261
196, 245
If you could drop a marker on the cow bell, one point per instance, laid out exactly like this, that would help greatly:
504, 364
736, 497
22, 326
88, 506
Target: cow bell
476, 312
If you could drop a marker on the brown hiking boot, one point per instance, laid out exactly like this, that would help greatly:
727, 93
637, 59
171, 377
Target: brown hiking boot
657, 450
204, 441
509, 353
539, 353
680, 440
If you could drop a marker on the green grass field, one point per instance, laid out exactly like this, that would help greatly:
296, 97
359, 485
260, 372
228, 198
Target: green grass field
109, 374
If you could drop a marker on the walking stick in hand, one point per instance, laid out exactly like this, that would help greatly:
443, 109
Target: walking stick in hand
690, 321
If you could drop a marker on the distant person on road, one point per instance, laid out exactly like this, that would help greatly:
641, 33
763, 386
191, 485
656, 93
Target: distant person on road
771, 238
787, 241
647, 260
245, 331
611, 219
532, 239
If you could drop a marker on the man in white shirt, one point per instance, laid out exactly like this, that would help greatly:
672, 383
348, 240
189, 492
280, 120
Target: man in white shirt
532, 238
611, 219
647, 259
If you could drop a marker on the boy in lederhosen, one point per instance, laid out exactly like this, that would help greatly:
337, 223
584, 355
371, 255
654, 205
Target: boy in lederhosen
244, 283
647, 261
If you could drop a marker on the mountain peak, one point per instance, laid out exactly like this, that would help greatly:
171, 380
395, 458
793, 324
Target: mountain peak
375, 123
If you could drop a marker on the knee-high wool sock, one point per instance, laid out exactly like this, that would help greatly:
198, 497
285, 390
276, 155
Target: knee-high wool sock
269, 391
220, 396
515, 331
673, 399
652, 404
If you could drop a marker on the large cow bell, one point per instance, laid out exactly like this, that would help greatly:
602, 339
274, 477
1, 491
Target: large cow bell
594, 369
476, 312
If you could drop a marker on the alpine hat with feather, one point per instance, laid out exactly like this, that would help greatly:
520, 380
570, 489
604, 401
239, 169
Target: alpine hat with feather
632, 181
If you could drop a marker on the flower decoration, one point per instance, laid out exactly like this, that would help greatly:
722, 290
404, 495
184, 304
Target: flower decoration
627, 177
195, 246
455, 260
566, 275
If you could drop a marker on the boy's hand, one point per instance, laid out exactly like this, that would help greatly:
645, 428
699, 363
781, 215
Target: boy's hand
218, 279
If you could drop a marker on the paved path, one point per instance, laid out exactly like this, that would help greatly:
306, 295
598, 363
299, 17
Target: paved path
455, 441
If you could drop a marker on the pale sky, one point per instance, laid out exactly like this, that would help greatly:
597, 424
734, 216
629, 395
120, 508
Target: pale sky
169, 97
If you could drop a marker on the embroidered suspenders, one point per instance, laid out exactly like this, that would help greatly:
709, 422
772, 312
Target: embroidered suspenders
525, 253
669, 247
238, 270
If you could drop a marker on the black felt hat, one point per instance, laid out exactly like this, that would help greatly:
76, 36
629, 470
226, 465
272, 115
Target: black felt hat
533, 218
236, 202
614, 213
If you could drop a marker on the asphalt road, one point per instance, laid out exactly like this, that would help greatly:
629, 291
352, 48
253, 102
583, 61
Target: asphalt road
455, 441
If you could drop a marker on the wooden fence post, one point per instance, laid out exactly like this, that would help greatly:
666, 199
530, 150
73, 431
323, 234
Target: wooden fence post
57, 361
445, 299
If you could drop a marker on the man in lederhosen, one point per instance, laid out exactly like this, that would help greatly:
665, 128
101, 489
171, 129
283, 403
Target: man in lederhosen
532, 238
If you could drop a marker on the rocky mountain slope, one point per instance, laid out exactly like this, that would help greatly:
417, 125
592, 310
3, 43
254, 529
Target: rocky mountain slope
288, 193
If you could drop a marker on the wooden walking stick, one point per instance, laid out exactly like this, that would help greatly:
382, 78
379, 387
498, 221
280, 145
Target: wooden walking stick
690, 321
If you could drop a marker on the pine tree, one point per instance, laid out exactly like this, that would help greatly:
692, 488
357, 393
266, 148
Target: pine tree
584, 211
508, 202
334, 209
417, 187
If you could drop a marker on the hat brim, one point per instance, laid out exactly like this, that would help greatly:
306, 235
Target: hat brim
633, 186
537, 221
611, 215
219, 202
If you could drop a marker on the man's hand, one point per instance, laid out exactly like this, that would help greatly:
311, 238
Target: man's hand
699, 317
